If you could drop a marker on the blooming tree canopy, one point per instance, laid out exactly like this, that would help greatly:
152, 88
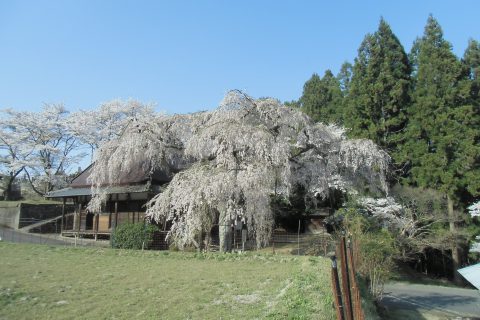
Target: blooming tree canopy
107, 121
474, 209
227, 163
40, 144
14, 152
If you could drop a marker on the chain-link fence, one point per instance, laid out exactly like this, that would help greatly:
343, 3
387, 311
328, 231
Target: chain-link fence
318, 244
48, 232
234, 240
37, 231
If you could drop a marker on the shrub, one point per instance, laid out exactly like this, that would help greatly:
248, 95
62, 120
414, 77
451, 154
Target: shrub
133, 236
377, 251
374, 247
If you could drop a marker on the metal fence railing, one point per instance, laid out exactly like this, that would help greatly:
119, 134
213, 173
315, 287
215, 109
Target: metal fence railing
159, 241
304, 243
21, 236
49, 232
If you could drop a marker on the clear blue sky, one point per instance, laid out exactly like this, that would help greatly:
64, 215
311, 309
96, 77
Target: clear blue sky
184, 55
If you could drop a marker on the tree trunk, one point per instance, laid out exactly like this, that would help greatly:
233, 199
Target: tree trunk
8, 193
224, 233
32, 185
456, 259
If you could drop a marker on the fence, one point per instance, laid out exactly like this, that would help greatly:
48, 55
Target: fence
48, 232
318, 244
18, 236
347, 299
159, 241
281, 241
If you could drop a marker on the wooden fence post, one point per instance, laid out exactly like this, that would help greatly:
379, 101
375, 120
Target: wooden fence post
358, 311
63, 217
79, 226
345, 279
337, 294
116, 214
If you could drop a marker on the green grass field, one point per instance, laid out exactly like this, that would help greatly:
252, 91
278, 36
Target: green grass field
42, 282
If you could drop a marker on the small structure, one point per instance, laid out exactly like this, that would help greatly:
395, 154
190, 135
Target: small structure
126, 201
472, 274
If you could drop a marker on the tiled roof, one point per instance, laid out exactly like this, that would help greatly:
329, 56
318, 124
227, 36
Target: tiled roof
72, 192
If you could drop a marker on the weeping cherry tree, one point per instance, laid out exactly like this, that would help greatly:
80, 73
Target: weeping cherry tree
227, 164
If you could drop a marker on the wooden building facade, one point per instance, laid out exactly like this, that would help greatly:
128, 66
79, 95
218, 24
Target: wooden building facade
125, 202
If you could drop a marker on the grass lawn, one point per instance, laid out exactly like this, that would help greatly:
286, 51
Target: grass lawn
43, 282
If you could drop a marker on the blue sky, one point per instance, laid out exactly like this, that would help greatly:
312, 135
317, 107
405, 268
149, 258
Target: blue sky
185, 55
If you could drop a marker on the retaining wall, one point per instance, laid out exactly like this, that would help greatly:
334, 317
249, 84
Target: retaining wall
25, 214
10, 216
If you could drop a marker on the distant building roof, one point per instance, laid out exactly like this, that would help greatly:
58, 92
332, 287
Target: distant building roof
138, 179
472, 274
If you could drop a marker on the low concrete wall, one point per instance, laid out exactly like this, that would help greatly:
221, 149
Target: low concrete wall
26, 214
33, 213
10, 216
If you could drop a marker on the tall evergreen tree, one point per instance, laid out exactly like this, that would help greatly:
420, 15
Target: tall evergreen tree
322, 98
309, 101
344, 77
379, 89
471, 59
442, 136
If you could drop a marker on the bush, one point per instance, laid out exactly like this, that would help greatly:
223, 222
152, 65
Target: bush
377, 251
374, 247
133, 236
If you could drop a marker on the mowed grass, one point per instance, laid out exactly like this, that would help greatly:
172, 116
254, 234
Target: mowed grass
43, 282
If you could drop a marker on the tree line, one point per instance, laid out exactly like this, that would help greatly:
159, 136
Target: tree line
422, 107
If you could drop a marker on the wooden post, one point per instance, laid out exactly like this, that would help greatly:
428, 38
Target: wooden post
337, 294
298, 238
109, 212
357, 301
63, 216
116, 214
79, 217
345, 279
273, 242
95, 225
